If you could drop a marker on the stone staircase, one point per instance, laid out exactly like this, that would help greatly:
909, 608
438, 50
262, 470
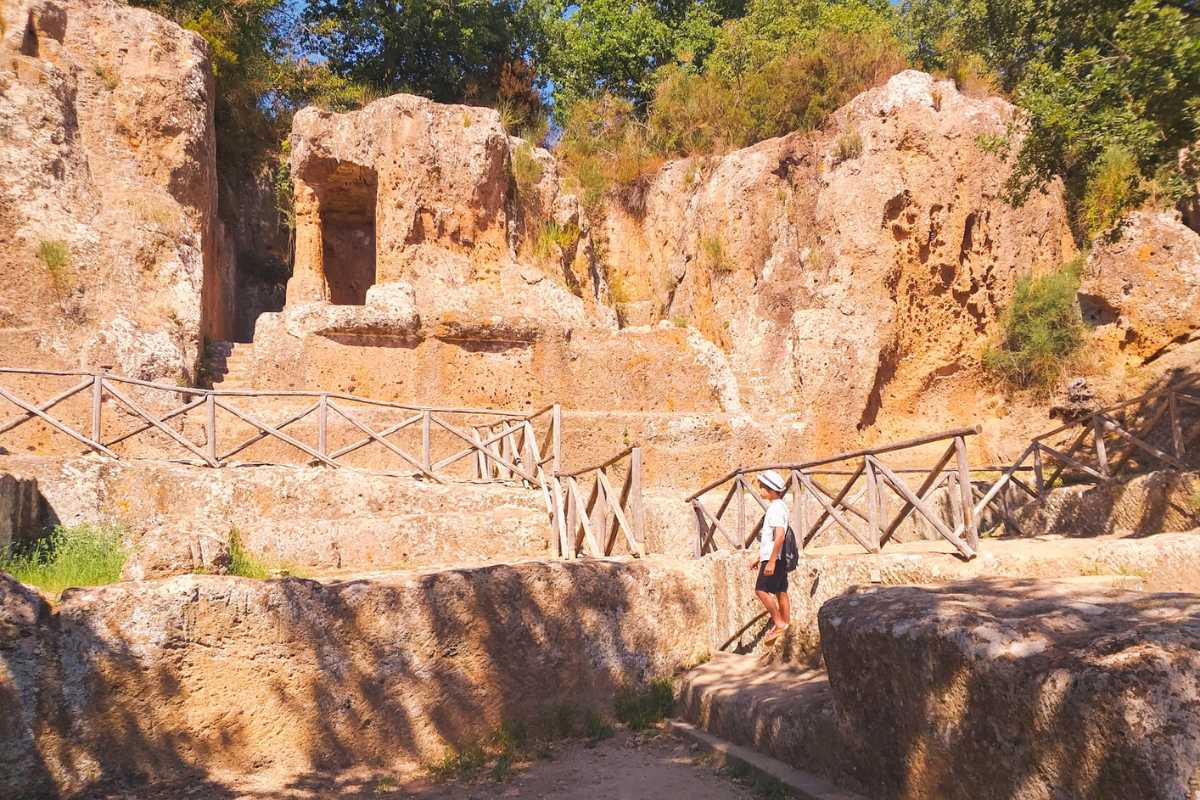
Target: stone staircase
231, 364
778, 710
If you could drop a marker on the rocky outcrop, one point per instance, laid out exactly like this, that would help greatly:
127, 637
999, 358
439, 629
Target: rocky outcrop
179, 677
1159, 502
1141, 288
1017, 690
107, 191
23, 667
414, 191
179, 518
845, 271
202, 673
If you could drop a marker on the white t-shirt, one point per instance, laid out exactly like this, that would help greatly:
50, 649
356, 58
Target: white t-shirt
777, 517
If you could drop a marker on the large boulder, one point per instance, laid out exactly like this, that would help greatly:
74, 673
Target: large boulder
1019, 690
846, 270
163, 678
23, 670
1141, 287
107, 191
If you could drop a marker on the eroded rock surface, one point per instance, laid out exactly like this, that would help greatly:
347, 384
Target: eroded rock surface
23, 672
1017, 690
107, 191
845, 271
198, 673
180, 518
1142, 288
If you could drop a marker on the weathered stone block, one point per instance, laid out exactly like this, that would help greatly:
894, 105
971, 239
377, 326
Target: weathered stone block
1018, 690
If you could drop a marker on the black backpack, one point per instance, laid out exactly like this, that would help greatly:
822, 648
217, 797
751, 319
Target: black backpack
790, 554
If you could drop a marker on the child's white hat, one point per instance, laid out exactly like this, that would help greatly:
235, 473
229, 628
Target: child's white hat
772, 480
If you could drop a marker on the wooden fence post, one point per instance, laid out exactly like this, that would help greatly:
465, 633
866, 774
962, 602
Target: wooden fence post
1176, 431
426, 450
637, 509
1101, 451
875, 534
970, 523
210, 424
323, 424
1039, 480
97, 404
741, 509
556, 441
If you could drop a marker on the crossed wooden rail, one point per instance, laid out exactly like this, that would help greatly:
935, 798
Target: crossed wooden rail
1152, 431
506, 447
842, 507
591, 527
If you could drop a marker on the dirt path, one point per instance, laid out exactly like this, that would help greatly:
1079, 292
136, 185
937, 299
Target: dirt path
624, 767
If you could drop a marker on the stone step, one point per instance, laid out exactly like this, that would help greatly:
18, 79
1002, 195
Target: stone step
779, 710
799, 784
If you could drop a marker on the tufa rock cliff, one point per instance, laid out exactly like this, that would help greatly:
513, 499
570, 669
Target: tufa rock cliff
108, 235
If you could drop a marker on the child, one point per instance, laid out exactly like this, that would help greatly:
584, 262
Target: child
771, 586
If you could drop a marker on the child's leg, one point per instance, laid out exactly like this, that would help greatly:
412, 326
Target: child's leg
785, 608
772, 606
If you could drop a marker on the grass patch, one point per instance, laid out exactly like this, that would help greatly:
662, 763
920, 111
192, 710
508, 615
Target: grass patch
66, 557
56, 256
762, 785
554, 238
641, 707
713, 255
460, 764
848, 146
107, 76
597, 727
527, 170
241, 562
1040, 330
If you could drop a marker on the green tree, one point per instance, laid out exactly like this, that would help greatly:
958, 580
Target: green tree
448, 50
591, 48
1090, 76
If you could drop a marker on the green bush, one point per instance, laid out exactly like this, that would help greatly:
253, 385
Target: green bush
1113, 188
80, 555
597, 727
527, 170
1040, 330
849, 145
241, 562
553, 238
640, 707
56, 255
713, 255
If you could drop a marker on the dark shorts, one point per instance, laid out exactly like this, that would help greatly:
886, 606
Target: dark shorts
775, 584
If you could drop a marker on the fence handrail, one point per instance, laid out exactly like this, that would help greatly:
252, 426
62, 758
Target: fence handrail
602, 465
298, 393
1175, 388
869, 451
843, 507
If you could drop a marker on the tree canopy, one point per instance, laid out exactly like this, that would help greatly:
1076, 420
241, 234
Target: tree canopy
1093, 77
1109, 89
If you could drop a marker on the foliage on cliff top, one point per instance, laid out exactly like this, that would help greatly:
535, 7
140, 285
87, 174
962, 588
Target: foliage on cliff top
1090, 76
780, 68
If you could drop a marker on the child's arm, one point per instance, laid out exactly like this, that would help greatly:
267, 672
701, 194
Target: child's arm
776, 549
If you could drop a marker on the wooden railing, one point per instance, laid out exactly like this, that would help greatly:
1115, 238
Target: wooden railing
213, 426
858, 506
1155, 430
597, 525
